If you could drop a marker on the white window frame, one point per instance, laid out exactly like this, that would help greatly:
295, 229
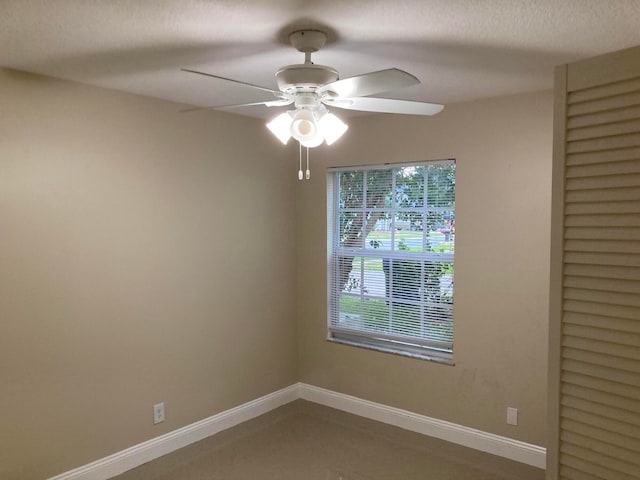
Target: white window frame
429, 349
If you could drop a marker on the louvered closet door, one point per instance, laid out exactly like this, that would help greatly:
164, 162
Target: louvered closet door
595, 331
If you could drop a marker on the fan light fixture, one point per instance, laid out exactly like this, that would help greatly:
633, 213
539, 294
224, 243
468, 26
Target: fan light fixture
309, 127
312, 88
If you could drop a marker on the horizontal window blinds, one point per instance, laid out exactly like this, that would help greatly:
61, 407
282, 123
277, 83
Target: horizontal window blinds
391, 244
600, 331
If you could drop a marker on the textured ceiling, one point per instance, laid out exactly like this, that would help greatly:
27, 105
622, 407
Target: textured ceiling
460, 49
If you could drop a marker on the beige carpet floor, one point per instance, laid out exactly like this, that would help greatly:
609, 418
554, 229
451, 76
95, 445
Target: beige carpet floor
305, 441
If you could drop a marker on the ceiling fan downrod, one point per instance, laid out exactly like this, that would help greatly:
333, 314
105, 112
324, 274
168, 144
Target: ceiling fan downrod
305, 77
308, 42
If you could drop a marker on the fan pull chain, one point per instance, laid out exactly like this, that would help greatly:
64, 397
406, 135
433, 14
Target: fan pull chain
300, 175
307, 174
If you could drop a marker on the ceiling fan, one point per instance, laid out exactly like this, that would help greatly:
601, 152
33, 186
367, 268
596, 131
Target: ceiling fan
312, 88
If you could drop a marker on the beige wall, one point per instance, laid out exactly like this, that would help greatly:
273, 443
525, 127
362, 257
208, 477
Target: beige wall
144, 257
132, 237
503, 152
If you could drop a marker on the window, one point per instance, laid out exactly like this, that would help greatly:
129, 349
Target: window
391, 235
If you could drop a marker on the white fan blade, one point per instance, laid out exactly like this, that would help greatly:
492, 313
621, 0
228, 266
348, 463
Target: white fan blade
386, 105
370, 83
271, 103
236, 82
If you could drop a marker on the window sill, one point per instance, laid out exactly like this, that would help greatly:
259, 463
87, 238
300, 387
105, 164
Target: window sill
431, 356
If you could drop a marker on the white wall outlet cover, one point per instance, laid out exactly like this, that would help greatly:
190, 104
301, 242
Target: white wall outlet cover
512, 416
158, 413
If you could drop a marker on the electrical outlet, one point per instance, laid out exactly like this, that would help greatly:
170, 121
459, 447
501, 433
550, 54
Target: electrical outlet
158, 413
512, 416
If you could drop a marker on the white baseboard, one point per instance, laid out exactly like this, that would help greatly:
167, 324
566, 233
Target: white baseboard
451, 432
135, 456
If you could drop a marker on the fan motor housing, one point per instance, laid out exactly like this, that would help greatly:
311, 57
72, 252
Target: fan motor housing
305, 77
